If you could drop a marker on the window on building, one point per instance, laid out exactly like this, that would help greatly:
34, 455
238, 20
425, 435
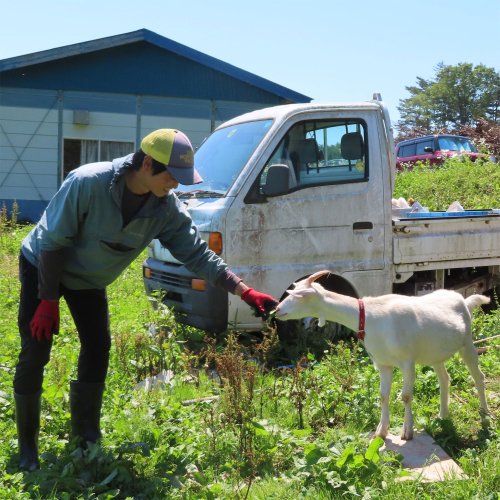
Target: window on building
81, 151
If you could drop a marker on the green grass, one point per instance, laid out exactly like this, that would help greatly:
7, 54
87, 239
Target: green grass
267, 434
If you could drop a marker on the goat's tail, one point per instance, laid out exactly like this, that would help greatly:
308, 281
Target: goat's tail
476, 300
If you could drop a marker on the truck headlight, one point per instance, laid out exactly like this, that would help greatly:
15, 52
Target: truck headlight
215, 242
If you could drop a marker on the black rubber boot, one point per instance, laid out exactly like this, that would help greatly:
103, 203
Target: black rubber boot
28, 426
85, 404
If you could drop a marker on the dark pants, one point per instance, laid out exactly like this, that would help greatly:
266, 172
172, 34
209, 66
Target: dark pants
89, 309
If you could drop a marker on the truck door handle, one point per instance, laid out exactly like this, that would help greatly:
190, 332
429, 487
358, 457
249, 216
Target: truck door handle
358, 226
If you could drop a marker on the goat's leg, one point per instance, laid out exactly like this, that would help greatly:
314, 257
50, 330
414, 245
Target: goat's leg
385, 392
444, 389
407, 396
471, 359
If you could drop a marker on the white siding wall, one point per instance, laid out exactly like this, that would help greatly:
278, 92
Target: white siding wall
29, 135
102, 126
191, 116
28, 153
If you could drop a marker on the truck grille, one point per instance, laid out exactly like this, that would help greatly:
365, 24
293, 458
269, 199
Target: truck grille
169, 279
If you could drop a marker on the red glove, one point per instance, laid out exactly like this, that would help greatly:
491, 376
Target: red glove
262, 303
45, 320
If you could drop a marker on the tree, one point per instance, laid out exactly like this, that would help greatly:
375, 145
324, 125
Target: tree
485, 135
457, 96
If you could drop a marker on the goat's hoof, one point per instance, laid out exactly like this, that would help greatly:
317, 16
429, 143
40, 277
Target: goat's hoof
485, 422
485, 418
407, 436
381, 432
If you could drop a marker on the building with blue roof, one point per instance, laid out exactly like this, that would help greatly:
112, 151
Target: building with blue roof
95, 100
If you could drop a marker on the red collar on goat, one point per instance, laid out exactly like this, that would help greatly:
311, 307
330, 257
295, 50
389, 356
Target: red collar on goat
361, 329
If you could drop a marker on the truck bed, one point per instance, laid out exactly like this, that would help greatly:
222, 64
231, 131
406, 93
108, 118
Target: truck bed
446, 239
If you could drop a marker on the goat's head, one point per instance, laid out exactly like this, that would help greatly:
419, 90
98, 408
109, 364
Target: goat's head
302, 299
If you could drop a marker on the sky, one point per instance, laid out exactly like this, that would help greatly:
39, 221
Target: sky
329, 50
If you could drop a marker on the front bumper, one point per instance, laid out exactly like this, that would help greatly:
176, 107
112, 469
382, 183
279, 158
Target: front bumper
204, 309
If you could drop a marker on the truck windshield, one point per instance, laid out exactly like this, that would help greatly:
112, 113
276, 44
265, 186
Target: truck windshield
221, 157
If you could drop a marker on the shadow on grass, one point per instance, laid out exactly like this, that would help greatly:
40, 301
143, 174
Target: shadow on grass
78, 472
445, 434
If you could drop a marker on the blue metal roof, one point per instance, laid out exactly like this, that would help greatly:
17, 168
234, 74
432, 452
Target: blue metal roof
140, 36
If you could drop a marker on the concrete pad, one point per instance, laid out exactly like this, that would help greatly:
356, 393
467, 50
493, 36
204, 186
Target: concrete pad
424, 459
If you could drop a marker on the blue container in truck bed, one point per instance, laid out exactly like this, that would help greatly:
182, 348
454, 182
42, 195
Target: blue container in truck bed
438, 215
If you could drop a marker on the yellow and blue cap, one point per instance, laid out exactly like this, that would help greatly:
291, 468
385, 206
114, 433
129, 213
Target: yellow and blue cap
173, 149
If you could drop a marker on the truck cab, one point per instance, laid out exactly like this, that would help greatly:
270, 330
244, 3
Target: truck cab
287, 190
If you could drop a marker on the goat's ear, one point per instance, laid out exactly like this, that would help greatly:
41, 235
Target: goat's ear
300, 284
301, 292
317, 287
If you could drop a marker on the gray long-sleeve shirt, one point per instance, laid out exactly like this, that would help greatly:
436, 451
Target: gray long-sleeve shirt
85, 219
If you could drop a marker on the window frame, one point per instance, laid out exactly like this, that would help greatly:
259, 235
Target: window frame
313, 127
65, 171
423, 143
408, 145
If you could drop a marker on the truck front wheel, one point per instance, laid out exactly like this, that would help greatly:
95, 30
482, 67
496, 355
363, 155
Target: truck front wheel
299, 337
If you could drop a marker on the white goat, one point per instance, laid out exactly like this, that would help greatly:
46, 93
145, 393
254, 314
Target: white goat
401, 331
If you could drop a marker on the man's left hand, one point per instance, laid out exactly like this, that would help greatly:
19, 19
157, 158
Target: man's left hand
262, 303
45, 321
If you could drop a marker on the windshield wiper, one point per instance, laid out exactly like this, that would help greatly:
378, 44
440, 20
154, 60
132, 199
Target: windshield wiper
199, 193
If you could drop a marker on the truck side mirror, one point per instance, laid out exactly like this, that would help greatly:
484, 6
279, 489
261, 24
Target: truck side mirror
277, 180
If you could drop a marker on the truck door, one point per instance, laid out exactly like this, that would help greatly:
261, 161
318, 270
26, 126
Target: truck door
329, 215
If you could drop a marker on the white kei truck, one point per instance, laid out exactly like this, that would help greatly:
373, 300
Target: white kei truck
293, 189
